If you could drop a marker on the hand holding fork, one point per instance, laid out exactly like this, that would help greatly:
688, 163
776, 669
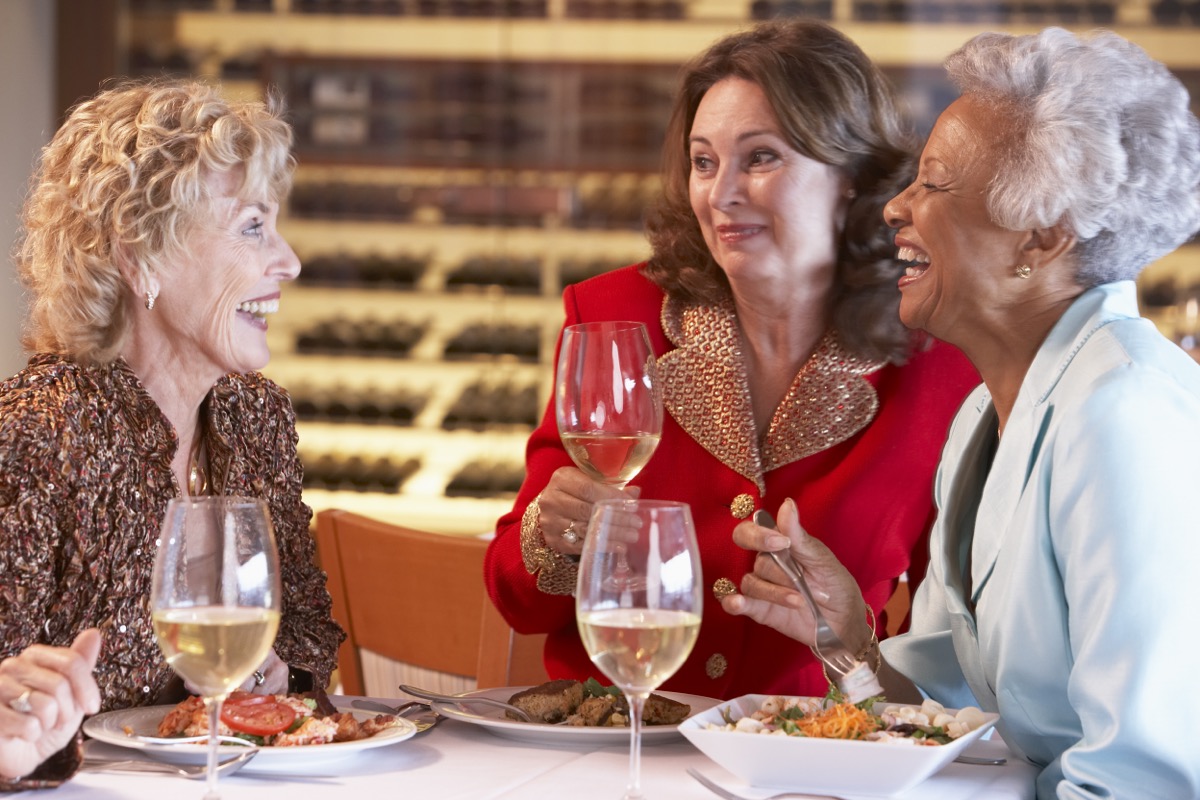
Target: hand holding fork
856, 680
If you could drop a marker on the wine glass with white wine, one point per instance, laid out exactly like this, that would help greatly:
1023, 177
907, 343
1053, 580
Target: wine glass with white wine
638, 601
215, 598
607, 399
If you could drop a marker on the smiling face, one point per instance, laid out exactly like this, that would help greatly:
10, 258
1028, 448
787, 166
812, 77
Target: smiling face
765, 209
961, 273
215, 300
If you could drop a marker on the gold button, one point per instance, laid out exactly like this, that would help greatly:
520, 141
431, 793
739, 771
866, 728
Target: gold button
723, 587
742, 506
715, 666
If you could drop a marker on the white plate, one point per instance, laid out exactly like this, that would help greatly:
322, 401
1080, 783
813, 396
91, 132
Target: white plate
494, 721
833, 766
111, 727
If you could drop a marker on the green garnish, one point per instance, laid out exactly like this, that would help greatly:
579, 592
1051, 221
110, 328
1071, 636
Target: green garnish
834, 696
594, 688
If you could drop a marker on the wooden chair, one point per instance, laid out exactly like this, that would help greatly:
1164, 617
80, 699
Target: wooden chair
418, 598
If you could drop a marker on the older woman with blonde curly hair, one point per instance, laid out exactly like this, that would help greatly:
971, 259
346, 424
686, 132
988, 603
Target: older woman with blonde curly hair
770, 300
1062, 588
152, 262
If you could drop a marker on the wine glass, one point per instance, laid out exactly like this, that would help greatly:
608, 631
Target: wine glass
215, 598
607, 399
638, 601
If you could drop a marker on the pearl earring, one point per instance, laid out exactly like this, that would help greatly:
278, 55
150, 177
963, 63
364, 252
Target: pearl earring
150, 298
1023, 271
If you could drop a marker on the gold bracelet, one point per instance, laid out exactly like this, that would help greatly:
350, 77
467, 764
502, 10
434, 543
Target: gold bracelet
861, 655
556, 574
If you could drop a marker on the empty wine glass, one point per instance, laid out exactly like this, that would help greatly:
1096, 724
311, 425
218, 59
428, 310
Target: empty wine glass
215, 598
607, 399
638, 601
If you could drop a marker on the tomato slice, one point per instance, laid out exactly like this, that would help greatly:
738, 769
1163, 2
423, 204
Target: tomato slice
240, 698
265, 718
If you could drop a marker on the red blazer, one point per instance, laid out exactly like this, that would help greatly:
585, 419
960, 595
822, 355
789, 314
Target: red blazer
868, 497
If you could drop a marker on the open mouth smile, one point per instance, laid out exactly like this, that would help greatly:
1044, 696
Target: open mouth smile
259, 308
917, 266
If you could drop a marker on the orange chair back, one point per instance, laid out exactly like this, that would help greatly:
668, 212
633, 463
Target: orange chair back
418, 597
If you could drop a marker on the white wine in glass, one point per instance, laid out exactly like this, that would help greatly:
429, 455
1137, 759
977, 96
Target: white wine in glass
215, 598
607, 399
638, 601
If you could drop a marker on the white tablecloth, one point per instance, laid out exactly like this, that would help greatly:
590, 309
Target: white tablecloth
460, 761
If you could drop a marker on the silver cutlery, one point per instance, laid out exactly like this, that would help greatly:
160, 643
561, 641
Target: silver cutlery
419, 712
828, 646
366, 704
982, 761
721, 791
463, 702
194, 771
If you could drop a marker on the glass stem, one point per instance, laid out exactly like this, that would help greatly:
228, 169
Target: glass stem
213, 706
637, 701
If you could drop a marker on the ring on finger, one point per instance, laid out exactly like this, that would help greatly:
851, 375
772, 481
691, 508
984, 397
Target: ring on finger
20, 703
569, 535
259, 678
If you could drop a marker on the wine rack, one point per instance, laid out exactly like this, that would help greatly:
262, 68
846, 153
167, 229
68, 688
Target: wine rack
461, 161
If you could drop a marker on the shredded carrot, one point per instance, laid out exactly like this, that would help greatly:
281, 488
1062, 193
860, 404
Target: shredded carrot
840, 721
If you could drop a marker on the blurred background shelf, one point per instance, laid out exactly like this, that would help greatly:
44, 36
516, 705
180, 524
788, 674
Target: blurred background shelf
461, 161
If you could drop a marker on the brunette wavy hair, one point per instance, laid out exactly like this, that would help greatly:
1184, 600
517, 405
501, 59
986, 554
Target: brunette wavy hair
121, 182
834, 106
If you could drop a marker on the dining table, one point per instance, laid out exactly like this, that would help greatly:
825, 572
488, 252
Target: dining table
458, 760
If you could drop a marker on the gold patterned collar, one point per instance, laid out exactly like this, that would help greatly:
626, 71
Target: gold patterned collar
706, 390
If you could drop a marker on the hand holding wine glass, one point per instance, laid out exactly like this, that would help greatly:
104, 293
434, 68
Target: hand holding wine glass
215, 598
638, 601
607, 399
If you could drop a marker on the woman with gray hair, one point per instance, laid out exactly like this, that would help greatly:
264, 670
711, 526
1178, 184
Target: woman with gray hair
152, 262
1061, 590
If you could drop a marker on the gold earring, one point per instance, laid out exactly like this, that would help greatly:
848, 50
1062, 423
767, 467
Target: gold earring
1023, 271
150, 298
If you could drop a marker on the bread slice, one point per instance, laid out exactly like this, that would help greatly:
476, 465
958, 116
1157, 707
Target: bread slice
549, 703
594, 712
661, 710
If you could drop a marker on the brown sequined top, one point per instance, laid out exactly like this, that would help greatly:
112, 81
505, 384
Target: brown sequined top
85, 476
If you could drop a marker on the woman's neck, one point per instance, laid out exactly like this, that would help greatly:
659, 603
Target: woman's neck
178, 393
1004, 353
779, 334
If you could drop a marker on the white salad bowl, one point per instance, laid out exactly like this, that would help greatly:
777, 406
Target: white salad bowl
834, 766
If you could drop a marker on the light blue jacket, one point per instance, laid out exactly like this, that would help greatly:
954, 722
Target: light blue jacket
1078, 620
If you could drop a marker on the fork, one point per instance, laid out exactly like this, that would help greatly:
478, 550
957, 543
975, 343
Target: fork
721, 791
194, 771
419, 712
828, 646
460, 701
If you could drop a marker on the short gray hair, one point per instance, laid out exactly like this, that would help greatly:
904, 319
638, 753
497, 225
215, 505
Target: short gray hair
1107, 144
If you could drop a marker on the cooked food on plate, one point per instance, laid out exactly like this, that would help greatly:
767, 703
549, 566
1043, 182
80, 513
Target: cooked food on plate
871, 720
274, 720
592, 705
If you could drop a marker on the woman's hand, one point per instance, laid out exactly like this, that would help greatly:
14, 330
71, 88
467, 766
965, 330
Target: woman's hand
566, 504
768, 597
274, 678
58, 688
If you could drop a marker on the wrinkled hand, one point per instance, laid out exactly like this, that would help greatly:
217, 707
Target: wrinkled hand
567, 500
768, 597
62, 690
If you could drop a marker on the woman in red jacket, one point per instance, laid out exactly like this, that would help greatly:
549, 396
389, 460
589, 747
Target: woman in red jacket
771, 303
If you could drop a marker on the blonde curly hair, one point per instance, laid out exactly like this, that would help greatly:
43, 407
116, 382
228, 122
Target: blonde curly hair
121, 183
